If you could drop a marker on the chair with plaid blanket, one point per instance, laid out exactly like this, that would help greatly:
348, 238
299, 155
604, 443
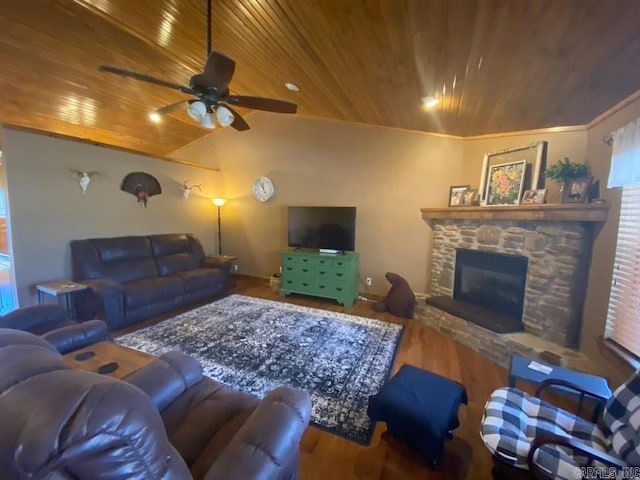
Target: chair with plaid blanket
527, 435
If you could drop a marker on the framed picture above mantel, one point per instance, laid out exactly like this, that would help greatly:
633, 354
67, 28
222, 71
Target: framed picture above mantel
534, 155
505, 183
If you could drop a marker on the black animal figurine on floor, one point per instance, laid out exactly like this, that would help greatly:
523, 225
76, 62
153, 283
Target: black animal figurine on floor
400, 299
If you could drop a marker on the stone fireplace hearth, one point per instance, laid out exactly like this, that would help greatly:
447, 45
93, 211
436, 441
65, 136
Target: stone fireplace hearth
555, 242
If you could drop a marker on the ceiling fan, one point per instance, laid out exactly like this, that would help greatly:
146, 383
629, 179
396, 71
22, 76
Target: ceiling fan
211, 89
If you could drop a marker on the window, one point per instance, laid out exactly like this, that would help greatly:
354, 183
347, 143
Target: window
623, 317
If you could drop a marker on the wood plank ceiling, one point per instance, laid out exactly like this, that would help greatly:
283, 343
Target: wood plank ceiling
496, 65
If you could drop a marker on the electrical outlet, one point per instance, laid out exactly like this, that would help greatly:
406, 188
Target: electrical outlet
280, 269
235, 267
368, 281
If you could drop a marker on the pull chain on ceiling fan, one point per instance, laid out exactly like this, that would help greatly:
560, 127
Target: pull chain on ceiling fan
211, 89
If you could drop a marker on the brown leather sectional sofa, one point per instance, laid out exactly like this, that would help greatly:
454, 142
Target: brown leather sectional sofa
164, 421
136, 277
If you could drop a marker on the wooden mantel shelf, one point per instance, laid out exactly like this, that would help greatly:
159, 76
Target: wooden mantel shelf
555, 212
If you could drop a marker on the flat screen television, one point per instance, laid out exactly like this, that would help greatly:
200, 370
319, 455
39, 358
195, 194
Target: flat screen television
329, 229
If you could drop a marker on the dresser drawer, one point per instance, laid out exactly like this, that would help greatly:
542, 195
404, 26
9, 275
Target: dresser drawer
297, 270
289, 259
304, 285
332, 289
340, 264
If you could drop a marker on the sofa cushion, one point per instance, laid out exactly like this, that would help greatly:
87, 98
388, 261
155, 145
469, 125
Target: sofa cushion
120, 249
200, 278
125, 259
148, 291
178, 262
169, 244
173, 253
202, 420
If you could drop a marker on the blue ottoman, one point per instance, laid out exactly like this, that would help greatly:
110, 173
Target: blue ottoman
420, 409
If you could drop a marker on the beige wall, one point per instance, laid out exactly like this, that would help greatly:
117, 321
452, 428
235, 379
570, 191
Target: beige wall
587, 146
572, 144
599, 155
387, 174
48, 208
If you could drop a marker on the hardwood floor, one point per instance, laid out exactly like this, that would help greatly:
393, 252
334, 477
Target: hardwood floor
328, 457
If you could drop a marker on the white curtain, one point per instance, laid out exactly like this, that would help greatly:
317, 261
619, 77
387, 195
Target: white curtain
625, 158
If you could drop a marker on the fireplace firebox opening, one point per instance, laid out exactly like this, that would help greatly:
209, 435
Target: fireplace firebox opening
495, 281
488, 290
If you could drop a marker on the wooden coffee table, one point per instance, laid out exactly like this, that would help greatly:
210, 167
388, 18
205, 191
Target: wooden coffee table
128, 360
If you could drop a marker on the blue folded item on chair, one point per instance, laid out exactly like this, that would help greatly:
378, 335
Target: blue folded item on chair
420, 409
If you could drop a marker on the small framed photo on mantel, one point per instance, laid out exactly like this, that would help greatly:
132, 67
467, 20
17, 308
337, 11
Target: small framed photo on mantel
532, 197
456, 195
577, 190
470, 197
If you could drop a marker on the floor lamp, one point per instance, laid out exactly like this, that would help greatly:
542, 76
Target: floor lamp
218, 202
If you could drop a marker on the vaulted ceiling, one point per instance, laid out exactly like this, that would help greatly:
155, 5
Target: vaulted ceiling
496, 65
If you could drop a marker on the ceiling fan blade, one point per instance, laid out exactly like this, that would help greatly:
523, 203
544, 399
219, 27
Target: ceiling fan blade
218, 71
238, 122
260, 103
143, 77
172, 107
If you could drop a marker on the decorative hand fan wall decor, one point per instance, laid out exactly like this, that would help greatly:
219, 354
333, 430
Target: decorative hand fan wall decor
142, 186
212, 91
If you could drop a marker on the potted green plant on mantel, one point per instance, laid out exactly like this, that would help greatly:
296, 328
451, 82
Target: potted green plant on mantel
563, 171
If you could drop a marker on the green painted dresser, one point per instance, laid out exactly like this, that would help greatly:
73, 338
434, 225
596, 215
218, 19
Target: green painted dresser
321, 275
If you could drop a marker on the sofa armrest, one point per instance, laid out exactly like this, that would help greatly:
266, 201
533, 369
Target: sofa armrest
166, 378
34, 316
103, 299
74, 337
223, 262
104, 286
269, 441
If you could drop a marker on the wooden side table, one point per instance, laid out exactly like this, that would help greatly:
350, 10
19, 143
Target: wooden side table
62, 290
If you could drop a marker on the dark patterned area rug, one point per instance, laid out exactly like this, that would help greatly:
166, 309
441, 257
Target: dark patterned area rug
256, 345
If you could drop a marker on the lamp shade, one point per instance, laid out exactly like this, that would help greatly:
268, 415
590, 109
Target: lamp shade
225, 117
218, 201
197, 110
208, 121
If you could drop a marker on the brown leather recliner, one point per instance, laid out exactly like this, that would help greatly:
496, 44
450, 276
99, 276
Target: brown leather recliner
165, 421
51, 323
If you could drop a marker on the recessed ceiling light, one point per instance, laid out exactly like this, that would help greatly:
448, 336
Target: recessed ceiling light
428, 102
292, 86
155, 117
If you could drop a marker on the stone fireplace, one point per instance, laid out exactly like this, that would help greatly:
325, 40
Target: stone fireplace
511, 279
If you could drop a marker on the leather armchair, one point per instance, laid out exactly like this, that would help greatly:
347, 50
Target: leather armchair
165, 421
51, 323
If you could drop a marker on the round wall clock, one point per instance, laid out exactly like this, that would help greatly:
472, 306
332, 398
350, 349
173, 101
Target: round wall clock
263, 189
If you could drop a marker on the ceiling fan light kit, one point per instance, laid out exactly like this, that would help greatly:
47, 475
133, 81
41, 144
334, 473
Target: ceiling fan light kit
207, 121
225, 117
197, 110
211, 88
